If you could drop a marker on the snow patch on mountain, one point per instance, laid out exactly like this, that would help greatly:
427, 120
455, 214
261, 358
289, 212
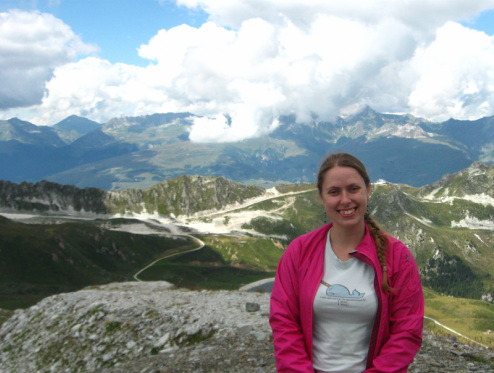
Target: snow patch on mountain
19, 216
229, 219
474, 171
473, 223
480, 239
424, 221
408, 131
483, 198
380, 182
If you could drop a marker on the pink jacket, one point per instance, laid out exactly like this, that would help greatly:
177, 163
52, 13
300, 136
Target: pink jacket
397, 331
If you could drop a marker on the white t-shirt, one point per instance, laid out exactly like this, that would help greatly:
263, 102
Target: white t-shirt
343, 315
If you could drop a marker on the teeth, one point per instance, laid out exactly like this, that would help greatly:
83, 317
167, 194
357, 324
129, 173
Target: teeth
348, 212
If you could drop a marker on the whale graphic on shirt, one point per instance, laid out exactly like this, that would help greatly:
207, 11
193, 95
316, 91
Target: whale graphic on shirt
343, 292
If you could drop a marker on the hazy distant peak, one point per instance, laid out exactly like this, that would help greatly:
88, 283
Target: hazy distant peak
79, 124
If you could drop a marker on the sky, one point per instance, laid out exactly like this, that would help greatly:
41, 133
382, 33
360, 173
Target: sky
239, 65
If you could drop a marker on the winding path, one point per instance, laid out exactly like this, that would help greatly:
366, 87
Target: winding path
222, 212
455, 332
252, 202
201, 245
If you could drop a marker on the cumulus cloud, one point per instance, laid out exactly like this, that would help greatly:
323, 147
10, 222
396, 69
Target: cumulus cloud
418, 14
32, 45
455, 75
256, 60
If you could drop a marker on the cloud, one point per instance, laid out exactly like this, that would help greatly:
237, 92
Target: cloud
455, 75
32, 45
418, 14
255, 61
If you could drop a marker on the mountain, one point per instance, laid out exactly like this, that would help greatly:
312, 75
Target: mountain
19, 131
77, 124
23, 148
475, 135
93, 249
30, 152
138, 152
447, 225
73, 127
184, 195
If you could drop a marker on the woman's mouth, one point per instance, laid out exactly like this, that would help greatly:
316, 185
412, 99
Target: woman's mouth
348, 212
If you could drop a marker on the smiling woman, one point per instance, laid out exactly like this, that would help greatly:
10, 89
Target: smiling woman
375, 324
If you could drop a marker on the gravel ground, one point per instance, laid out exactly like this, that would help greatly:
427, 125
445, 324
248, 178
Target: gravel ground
153, 328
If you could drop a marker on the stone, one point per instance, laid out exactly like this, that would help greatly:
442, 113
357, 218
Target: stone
252, 307
144, 322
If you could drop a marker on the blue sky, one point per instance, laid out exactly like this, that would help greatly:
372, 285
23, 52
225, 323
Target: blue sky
248, 60
120, 27
482, 22
117, 27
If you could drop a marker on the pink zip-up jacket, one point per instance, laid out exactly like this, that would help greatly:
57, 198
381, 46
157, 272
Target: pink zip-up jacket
397, 332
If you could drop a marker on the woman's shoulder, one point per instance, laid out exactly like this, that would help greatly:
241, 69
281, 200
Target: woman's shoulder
402, 268
306, 250
395, 242
399, 253
315, 235
308, 241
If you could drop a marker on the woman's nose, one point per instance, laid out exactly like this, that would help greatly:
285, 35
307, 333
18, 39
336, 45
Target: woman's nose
345, 197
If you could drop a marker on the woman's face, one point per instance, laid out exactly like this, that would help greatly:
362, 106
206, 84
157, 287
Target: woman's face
344, 196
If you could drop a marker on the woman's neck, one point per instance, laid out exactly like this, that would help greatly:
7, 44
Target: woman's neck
344, 241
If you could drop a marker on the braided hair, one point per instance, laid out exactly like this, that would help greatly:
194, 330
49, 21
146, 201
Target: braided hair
378, 235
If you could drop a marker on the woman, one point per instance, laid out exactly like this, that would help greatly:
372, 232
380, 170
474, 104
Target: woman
347, 296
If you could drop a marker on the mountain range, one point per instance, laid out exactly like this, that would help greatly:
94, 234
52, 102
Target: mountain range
448, 226
138, 152
84, 204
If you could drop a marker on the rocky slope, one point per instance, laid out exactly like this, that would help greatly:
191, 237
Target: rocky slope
184, 195
151, 327
48, 197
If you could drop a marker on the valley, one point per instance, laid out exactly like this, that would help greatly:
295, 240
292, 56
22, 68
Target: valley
212, 233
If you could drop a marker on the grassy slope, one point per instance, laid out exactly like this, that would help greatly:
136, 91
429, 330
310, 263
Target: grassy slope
203, 269
38, 260
472, 318
224, 263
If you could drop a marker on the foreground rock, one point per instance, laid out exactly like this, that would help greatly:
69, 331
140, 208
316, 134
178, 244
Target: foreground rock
153, 328
115, 325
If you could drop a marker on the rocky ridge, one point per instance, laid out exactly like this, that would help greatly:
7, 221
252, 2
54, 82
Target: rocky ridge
152, 327
184, 195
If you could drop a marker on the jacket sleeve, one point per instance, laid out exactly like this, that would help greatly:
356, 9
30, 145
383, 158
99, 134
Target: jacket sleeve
289, 343
406, 316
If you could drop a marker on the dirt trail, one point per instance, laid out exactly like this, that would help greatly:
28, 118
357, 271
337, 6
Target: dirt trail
201, 245
454, 331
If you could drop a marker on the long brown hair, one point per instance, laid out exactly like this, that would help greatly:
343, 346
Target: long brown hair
378, 235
